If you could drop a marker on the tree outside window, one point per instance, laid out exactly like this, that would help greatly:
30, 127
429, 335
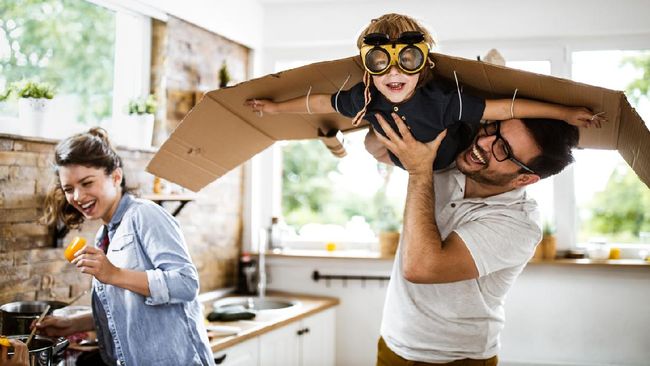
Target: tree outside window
67, 43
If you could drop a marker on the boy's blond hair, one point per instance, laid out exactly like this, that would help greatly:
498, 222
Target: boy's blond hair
393, 25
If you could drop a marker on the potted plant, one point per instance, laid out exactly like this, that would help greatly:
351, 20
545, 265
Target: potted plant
34, 101
224, 75
548, 243
141, 118
388, 226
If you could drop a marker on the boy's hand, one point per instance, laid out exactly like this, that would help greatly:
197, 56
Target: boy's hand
583, 117
261, 106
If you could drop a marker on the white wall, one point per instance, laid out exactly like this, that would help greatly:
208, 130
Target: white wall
320, 30
555, 315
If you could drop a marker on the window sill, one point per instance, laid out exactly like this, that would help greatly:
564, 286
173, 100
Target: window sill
324, 254
593, 262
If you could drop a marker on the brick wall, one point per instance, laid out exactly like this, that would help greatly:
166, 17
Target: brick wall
185, 61
32, 267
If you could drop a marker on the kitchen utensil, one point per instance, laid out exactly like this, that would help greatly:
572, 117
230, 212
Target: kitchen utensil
43, 351
74, 299
40, 318
16, 317
222, 330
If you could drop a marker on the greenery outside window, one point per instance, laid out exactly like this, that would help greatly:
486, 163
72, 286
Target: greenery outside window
66, 43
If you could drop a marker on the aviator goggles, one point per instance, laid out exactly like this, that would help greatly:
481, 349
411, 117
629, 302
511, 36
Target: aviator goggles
408, 52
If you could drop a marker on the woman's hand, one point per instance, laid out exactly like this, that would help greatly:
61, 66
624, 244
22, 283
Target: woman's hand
93, 261
583, 117
261, 106
56, 326
20, 357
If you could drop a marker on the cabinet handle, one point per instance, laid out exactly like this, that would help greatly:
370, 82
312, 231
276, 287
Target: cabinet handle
306, 330
300, 332
219, 360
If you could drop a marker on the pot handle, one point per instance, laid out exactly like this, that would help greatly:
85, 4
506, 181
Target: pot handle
62, 343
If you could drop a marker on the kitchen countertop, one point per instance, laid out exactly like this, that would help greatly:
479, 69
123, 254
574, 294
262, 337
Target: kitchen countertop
269, 320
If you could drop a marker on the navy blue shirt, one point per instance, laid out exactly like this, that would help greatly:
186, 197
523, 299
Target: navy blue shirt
432, 108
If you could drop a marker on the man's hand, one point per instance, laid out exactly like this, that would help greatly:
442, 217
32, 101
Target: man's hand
583, 117
416, 157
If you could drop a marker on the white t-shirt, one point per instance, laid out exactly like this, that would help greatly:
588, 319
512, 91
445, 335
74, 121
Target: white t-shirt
445, 322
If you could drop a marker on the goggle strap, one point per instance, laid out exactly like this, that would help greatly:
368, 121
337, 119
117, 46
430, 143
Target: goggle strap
367, 98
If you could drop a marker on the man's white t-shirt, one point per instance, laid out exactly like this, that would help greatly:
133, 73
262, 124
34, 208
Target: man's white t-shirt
439, 323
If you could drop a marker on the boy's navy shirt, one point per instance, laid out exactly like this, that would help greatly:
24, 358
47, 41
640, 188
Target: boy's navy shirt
432, 108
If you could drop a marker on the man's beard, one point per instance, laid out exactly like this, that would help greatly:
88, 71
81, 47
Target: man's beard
483, 177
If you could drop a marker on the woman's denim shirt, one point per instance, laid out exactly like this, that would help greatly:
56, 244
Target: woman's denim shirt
166, 328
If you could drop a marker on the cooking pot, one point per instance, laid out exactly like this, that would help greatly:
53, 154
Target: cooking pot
43, 351
16, 317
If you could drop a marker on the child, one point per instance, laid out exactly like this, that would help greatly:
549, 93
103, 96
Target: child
398, 79
144, 298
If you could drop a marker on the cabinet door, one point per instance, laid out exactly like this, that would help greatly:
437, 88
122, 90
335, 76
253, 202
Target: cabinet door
242, 354
317, 341
280, 347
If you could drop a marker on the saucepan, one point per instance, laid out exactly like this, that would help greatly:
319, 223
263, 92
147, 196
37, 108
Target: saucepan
43, 351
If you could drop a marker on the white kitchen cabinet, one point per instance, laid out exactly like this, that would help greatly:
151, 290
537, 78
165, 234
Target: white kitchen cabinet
243, 354
317, 346
308, 342
281, 347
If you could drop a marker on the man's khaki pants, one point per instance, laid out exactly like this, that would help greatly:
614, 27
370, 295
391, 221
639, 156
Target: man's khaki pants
386, 357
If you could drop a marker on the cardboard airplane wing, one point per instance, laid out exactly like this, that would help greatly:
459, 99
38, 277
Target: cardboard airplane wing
220, 133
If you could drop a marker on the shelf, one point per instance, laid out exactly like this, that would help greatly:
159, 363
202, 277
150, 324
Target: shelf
160, 199
594, 262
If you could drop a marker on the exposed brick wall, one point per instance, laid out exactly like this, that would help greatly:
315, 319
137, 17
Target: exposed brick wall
31, 267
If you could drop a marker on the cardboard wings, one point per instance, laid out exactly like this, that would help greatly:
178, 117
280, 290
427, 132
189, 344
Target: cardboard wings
220, 133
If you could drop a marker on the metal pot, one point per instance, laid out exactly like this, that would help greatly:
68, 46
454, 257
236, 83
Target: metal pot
16, 317
43, 351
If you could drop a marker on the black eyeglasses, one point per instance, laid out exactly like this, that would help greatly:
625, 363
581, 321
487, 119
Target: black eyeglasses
500, 147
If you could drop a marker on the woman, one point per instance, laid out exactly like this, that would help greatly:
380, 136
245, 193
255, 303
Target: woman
144, 299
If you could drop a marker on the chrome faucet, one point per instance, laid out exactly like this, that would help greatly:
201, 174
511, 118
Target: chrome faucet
261, 277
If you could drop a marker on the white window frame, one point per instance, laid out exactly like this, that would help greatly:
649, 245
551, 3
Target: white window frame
262, 201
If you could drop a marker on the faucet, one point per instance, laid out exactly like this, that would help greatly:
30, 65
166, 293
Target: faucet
261, 278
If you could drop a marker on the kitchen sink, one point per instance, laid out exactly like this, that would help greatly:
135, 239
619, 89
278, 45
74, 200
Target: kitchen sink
254, 304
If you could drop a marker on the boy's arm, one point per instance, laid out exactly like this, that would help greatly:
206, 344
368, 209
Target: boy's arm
318, 103
500, 109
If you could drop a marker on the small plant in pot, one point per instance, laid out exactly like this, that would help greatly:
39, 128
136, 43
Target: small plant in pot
388, 226
34, 100
224, 75
548, 245
141, 119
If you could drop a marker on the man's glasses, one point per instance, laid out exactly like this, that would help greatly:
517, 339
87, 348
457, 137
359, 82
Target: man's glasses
500, 147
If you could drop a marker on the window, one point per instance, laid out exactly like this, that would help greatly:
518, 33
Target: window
346, 201
613, 204
78, 47
68, 44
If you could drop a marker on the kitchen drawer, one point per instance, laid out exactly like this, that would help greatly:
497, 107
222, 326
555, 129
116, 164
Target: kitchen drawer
242, 354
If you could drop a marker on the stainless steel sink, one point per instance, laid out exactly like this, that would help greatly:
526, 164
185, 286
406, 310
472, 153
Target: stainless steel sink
255, 304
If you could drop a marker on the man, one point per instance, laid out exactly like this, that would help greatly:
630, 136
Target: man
468, 232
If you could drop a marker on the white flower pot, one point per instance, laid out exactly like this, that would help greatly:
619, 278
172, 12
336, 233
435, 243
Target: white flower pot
32, 113
140, 130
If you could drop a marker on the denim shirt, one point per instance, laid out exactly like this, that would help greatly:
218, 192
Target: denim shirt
167, 327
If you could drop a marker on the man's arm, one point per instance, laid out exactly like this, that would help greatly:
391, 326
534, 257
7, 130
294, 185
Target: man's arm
426, 258
317, 103
503, 109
